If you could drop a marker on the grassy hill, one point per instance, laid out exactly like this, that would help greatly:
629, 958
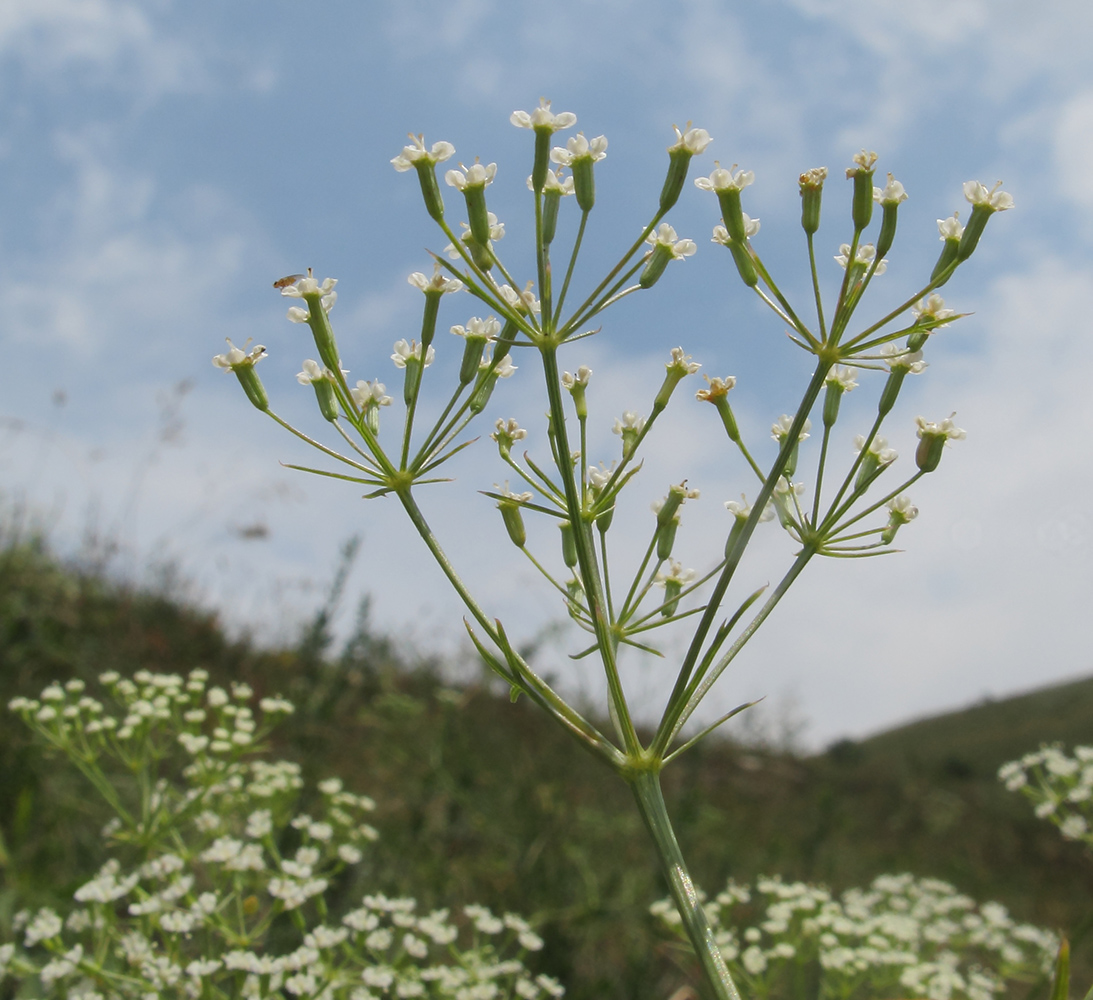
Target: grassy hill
978, 739
480, 799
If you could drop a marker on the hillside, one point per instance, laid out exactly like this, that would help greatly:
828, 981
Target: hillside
980, 738
480, 799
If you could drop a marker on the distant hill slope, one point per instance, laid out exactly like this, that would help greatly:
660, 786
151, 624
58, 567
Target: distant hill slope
990, 733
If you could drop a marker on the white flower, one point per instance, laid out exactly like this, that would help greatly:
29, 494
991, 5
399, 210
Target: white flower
508, 431
864, 257
742, 511
693, 141
754, 960
497, 232
313, 372
366, 394
578, 147
555, 182
682, 363
570, 381
891, 194
862, 161
721, 234
725, 180
1074, 827
630, 422
439, 282
944, 428
416, 152
950, 228
843, 377
674, 574
309, 285
878, 448
478, 329
522, 301
503, 369
236, 357
902, 508
780, 429
349, 854
476, 175
992, 198
45, 925
598, 477
665, 236
543, 118
932, 308
899, 358
405, 352
715, 388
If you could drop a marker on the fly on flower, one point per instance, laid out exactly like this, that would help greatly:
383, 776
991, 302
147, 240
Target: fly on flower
288, 279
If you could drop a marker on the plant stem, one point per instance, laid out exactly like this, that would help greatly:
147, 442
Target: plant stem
645, 785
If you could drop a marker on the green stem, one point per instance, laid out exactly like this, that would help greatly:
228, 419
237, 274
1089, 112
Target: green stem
586, 554
646, 788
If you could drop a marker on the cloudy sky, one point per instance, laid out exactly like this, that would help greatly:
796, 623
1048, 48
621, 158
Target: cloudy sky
163, 162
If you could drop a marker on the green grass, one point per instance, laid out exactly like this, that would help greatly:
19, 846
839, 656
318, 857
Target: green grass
483, 800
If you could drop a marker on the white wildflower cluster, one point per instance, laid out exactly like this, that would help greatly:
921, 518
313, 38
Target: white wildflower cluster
1059, 786
903, 936
215, 884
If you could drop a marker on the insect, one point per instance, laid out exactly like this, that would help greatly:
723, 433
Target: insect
289, 279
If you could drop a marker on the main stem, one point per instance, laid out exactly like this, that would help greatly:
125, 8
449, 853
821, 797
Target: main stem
645, 785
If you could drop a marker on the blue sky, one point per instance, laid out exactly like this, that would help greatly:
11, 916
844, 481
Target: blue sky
163, 162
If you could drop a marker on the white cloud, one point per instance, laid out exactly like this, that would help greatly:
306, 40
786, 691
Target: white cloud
118, 43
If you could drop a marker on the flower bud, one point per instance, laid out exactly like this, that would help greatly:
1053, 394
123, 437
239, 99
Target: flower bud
584, 182
430, 189
569, 544
541, 163
629, 428
514, 520
902, 512
242, 362
655, 265
862, 175
576, 385
687, 144
985, 202
874, 460
322, 332
424, 161
891, 391
889, 197
672, 588
812, 189
666, 537
472, 358
478, 214
551, 201
780, 432
928, 452
324, 396
576, 594
678, 368
744, 265
488, 374
412, 359
932, 440
717, 392
252, 386
428, 318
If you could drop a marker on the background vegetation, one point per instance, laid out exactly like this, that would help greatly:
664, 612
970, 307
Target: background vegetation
483, 800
